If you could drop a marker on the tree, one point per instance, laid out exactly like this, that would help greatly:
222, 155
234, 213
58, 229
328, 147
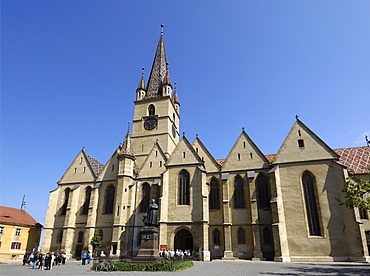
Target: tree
357, 192
96, 240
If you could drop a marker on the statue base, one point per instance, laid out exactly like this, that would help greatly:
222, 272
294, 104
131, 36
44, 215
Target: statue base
148, 252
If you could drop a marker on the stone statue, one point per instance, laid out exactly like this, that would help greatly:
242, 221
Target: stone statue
151, 217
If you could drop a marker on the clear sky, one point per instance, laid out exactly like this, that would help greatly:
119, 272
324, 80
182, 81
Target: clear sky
69, 71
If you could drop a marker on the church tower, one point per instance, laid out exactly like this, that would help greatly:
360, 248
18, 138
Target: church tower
156, 114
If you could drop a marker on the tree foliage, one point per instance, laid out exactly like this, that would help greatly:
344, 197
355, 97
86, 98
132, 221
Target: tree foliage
357, 192
96, 240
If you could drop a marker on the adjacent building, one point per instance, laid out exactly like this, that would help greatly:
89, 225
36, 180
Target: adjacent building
19, 234
283, 207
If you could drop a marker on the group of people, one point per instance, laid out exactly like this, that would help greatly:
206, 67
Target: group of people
178, 254
44, 261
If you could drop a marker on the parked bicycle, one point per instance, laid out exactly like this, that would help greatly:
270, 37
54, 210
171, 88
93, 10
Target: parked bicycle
105, 266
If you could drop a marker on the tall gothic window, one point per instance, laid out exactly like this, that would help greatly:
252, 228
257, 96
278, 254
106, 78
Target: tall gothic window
65, 204
312, 213
151, 110
85, 206
239, 193
184, 188
216, 237
80, 237
263, 192
241, 236
145, 197
214, 195
109, 200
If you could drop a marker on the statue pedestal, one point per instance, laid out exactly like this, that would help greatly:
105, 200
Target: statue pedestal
148, 251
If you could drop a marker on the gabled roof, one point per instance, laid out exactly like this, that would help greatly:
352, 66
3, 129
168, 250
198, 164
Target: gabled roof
95, 164
355, 159
16, 216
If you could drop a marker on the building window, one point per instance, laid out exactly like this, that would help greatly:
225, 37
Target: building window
65, 204
241, 236
214, 195
301, 143
267, 236
85, 206
363, 213
109, 199
18, 231
80, 238
145, 197
263, 192
16, 245
216, 237
184, 188
239, 193
151, 110
1, 230
312, 213
60, 236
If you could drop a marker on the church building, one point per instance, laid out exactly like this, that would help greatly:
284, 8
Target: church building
283, 207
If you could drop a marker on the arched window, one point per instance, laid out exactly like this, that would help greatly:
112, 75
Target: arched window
86, 205
214, 195
60, 236
109, 200
241, 236
239, 192
263, 192
145, 197
216, 237
184, 188
65, 204
267, 235
80, 238
151, 110
312, 213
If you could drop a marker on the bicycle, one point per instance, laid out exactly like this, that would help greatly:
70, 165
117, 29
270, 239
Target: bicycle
105, 266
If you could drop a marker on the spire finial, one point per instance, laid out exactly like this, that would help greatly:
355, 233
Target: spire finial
183, 134
196, 135
142, 71
243, 128
296, 117
128, 123
162, 28
367, 141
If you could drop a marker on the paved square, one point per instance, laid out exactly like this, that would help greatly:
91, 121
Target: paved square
207, 268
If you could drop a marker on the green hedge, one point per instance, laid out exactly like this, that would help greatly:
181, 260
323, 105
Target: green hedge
163, 266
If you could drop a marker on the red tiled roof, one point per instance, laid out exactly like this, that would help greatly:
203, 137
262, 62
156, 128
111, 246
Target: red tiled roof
16, 216
95, 164
355, 159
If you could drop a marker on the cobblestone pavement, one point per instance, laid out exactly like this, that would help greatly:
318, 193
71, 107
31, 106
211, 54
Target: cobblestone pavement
207, 268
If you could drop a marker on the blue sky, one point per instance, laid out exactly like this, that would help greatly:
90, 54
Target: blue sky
69, 71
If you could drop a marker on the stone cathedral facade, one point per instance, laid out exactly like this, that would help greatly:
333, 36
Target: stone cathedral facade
283, 207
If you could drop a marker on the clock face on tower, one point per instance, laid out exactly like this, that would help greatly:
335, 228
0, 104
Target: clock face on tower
150, 123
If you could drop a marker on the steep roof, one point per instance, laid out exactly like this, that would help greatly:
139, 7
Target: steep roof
16, 216
95, 164
159, 70
355, 159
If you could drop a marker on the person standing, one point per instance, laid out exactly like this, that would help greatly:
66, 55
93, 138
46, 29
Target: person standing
64, 257
84, 257
52, 258
41, 261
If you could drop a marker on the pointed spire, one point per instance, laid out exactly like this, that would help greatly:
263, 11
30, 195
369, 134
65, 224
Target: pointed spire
175, 97
142, 80
127, 148
167, 79
159, 69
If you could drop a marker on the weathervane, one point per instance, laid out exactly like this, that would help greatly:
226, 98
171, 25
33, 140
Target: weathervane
162, 27
367, 141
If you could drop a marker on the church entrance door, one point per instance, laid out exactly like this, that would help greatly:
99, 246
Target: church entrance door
184, 240
78, 252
